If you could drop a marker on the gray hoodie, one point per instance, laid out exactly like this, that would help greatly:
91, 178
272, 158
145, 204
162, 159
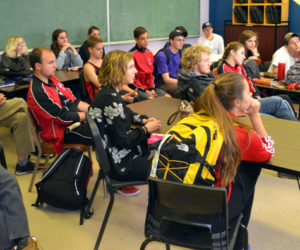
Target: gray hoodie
191, 85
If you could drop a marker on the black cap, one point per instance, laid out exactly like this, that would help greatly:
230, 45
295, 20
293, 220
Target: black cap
206, 24
175, 33
288, 37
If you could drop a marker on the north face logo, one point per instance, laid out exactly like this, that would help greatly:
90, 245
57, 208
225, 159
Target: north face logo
183, 147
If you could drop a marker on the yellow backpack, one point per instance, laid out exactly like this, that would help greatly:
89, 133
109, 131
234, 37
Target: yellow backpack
189, 151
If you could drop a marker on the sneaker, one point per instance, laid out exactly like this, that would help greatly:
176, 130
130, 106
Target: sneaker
28, 243
28, 168
129, 191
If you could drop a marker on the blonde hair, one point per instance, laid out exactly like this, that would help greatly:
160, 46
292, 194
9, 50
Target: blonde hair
191, 56
114, 67
216, 100
11, 45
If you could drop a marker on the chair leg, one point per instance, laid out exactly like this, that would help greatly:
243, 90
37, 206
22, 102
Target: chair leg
2, 157
105, 220
37, 163
145, 243
87, 212
245, 236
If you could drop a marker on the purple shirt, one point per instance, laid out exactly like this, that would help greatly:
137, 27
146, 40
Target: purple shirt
160, 66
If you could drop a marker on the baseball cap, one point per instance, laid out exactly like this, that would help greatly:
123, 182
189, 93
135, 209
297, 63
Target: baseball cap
206, 24
288, 37
175, 33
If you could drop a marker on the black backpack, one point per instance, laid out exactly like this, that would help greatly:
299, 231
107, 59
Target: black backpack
64, 183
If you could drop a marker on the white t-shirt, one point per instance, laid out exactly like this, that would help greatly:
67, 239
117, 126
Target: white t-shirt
216, 45
282, 56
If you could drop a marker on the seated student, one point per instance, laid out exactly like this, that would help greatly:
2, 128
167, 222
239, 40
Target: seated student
92, 68
195, 74
224, 100
126, 146
53, 105
13, 115
13, 219
83, 51
166, 66
66, 55
232, 61
289, 53
15, 61
214, 41
143, 61
249, 39
185, 35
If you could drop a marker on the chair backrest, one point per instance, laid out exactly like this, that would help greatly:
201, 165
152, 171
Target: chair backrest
101, 153
177, 212
84, 94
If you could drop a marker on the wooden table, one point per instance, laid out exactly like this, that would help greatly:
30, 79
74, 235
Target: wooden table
286, 134
63, 75
160, 108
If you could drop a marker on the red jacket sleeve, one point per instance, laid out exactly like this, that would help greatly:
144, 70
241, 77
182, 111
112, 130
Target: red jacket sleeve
255, 149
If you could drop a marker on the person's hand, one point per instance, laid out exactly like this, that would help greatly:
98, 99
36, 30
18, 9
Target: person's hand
254, 51
2, 99
253, 108
152, 125
67, 46
152, 93
128, 98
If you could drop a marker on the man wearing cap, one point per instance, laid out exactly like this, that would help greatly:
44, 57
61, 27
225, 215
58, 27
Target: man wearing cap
213, 41
288, 54
167, 64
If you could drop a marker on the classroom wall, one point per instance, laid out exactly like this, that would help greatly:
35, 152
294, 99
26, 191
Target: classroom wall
294, 10
220, 10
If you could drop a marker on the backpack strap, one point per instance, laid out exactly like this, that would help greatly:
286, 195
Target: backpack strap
156, 156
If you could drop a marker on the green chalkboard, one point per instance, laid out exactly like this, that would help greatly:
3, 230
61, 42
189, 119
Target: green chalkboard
35, 20
159, 17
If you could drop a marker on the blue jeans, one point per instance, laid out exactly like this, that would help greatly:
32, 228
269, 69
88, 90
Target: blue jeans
277, 107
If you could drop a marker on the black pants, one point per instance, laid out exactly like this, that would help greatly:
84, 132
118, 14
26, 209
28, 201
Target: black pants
79, 135
242, 195
139, 170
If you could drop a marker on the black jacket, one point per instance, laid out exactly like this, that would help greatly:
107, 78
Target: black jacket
191, 85
19, 66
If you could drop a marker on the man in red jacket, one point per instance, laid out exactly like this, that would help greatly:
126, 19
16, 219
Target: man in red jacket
143, 61
54, 106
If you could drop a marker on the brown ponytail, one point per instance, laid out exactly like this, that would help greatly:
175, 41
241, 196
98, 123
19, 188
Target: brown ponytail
216, 101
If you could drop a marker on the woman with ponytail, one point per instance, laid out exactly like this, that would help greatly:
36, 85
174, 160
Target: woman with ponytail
225, 99
232, 61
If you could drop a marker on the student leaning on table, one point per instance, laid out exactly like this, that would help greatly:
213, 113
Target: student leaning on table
224, 100
232, 61
127, 147
66, 55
